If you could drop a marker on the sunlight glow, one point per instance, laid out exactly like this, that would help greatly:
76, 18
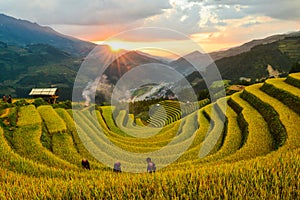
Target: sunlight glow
156, 48
115, 45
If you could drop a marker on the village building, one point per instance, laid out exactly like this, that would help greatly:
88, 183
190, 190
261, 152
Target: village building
48, 94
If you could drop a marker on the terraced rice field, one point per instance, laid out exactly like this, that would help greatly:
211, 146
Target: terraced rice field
244, 146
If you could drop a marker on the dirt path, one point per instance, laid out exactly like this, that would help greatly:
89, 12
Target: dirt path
5, 113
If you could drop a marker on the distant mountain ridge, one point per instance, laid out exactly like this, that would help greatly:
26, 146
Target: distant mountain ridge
126, 62
22, 32
191, 62
248, 45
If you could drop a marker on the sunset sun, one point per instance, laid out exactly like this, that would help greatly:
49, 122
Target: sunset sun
115, 46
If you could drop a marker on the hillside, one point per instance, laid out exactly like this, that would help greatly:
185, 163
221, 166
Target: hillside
255, 65
281, 55
35, 56
21, 33
42, 65
249, 60
244, 146
36, 65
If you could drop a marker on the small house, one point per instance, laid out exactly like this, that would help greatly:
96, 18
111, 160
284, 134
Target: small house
48, 94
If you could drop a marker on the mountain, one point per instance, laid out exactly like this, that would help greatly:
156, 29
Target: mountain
249, 45
191, 62
162, 59
126, 62
281, 55
21, 33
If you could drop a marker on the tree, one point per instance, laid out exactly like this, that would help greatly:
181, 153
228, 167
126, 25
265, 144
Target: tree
295, 68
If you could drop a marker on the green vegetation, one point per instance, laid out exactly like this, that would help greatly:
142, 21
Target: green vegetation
39, 101
281, 55
244, 146
294, 79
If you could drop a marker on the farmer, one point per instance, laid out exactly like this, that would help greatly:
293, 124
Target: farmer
151, 166
117, 167
4, 98
9, 100
85, 164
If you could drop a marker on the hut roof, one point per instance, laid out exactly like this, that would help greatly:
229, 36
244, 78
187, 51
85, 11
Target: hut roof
43, 91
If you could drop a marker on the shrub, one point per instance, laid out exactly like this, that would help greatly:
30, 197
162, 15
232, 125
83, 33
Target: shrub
39, 101
21, 102
65, 104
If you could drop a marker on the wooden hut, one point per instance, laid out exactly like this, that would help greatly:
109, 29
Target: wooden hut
48, 94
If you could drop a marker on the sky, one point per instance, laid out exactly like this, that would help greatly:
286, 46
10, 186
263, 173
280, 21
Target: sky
212, 24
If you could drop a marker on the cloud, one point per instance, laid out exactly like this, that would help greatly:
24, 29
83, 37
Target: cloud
188, 19
277, 9
231, 9
92, 12
178, 18
224, 12
239, 31
220, 21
